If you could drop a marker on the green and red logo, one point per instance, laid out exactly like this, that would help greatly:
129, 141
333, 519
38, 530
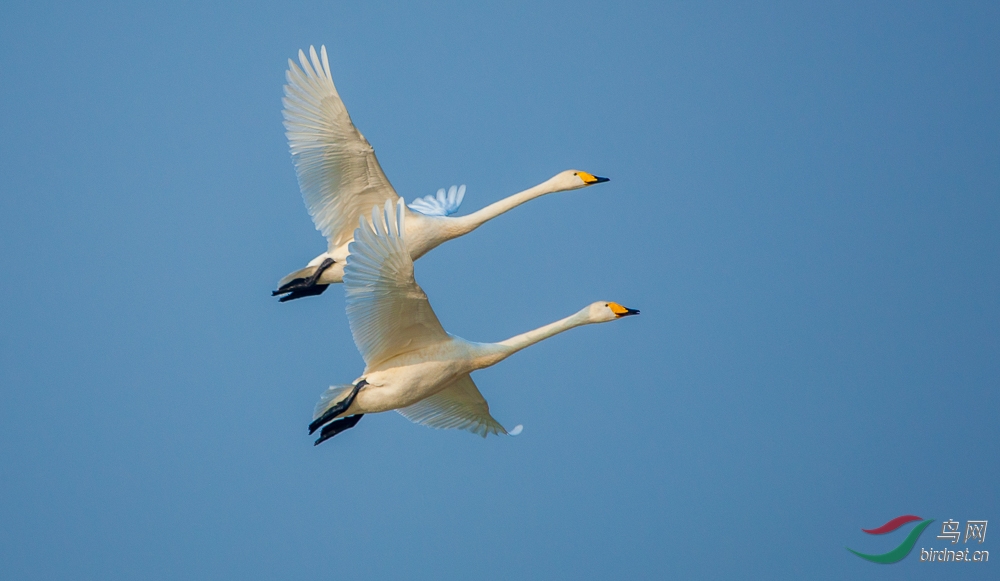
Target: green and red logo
904, 548
951, 532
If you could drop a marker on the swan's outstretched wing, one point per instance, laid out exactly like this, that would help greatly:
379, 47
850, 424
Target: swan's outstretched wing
338, 174
443, 204
389, 314
460, 405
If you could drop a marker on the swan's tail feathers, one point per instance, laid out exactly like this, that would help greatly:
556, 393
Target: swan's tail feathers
303, 283
335, 401
331, 397
302, 274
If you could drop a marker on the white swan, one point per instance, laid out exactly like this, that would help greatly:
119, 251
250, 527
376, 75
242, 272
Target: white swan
411, 364
340, 180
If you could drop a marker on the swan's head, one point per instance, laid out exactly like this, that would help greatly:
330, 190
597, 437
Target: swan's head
574, 179
603, 311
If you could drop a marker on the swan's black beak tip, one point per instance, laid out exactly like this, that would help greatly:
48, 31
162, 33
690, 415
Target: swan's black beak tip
601, 180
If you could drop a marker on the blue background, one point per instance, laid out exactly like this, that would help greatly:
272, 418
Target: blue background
804, 205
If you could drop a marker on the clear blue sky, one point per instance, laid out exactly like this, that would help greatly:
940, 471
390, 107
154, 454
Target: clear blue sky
804, 205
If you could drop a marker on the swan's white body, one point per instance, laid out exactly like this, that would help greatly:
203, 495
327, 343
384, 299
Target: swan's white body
341, 178
411, 364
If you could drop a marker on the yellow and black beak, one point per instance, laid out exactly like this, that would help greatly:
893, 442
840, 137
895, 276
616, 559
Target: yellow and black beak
621, 311
591, 179
629, 312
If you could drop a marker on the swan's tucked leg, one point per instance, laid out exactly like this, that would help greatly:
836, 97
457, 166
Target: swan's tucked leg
337, 426
304, 287
337, 409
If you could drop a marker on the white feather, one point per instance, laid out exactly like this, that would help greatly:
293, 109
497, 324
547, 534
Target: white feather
460, 406
443, 204
387, 310
338, 173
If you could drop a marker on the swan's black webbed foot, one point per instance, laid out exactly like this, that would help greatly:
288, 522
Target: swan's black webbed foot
334, 427
337, 426
304, 287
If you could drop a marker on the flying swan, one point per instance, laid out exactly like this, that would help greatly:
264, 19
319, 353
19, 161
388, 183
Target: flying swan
411, 364
341, 180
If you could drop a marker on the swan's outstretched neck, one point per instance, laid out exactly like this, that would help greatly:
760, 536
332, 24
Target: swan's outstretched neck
466, 224
518, 342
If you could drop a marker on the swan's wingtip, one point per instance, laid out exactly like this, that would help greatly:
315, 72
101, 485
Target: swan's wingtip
517, 430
